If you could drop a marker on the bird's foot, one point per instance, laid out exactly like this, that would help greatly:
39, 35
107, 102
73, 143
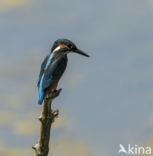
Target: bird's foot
53, 94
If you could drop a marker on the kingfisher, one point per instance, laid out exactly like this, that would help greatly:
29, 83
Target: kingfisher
54, 65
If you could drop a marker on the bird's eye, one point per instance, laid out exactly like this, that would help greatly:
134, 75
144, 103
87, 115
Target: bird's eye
70, 46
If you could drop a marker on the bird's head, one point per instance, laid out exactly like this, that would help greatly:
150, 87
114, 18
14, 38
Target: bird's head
65, 46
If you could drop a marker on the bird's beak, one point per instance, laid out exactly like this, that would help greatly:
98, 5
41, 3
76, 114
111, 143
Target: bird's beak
80, 52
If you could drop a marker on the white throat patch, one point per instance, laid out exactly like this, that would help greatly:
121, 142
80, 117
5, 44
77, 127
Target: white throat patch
59, 47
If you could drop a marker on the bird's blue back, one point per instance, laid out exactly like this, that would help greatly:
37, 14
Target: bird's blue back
51, 69
41, 91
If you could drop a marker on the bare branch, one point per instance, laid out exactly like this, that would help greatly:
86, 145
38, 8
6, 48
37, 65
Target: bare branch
46, 118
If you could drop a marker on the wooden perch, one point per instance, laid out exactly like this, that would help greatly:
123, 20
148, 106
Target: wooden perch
46, 118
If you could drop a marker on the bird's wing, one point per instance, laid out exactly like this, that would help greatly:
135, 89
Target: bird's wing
42, 69
54, 72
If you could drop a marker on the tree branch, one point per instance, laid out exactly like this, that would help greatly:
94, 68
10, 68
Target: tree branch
46, 118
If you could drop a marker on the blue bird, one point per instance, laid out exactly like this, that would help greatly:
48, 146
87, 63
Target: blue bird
54, 66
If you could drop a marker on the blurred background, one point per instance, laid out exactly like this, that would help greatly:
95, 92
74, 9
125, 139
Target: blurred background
106, 100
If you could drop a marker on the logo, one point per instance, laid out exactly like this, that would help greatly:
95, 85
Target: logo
134, 149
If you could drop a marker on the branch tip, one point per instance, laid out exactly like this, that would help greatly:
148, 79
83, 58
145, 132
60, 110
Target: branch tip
55, 112
35, 147
40, 118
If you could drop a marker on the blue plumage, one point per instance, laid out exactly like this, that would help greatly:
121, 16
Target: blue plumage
54, 66
54, 71
41, 91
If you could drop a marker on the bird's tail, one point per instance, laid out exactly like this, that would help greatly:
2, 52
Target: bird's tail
41, 97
